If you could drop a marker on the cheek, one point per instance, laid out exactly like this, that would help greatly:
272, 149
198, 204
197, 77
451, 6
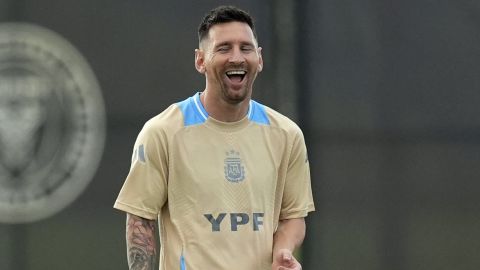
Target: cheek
210, 64
214, 73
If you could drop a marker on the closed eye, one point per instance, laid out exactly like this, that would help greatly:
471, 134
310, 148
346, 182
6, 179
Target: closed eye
247, 48
223, 48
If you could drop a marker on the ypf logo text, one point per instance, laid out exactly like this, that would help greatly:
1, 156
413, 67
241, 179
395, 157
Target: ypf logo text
236, 220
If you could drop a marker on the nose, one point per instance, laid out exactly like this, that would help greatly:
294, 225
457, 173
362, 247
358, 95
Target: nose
237, 56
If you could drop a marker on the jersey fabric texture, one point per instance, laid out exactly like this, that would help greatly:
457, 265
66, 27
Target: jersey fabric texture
218, 189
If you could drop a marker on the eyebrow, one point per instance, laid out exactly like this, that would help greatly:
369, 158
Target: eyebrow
225, 43
228, 43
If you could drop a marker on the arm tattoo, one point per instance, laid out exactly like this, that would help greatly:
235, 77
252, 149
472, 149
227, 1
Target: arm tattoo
141, 245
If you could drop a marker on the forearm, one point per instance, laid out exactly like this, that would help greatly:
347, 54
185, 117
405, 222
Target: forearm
289, 235
141, 243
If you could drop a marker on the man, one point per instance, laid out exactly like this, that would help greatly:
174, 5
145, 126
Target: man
228, 177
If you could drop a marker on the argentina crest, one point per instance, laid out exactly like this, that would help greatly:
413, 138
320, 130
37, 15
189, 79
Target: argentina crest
52, 123
234, 170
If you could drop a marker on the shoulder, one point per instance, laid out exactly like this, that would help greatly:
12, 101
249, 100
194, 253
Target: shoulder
164, 125
177, 116
168, 120
279, 121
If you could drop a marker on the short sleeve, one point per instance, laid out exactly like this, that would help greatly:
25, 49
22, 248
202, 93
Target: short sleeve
144, 191
297, 198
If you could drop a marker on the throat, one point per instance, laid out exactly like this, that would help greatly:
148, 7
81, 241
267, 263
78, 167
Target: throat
224, 111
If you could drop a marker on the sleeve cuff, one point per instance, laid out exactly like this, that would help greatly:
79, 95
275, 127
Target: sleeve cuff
135, 210
296, 213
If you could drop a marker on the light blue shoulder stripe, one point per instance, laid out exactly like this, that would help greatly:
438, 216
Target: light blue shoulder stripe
193, 111
258, 114
183, 266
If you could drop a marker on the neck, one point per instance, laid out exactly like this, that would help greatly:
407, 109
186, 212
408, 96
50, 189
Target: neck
223, 111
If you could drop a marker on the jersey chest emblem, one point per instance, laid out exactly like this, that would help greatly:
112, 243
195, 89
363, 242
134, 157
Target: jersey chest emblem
234, 170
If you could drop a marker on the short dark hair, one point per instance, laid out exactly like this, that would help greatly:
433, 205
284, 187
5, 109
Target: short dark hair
224, 14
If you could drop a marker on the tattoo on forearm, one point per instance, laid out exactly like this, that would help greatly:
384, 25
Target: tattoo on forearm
141, 246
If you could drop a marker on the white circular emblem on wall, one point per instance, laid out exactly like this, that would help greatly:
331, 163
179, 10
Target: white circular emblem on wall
52, 123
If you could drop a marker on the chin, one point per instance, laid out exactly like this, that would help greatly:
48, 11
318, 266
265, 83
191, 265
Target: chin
236, 96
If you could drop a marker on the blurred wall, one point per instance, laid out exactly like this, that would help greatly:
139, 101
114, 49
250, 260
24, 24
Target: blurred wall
386, 93
392, 117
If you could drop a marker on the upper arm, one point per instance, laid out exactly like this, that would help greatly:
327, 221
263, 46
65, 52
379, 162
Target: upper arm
297, 198
144, 191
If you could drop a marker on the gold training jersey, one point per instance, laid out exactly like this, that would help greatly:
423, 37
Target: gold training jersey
218, 188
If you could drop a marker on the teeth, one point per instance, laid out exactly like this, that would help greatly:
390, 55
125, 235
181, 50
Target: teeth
236, 72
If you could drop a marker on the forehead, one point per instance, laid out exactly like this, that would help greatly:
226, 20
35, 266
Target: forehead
231, 32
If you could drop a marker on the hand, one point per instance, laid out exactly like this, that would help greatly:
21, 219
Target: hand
284, 260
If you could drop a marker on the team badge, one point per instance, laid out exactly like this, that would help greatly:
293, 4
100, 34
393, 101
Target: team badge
234, 170
52, 123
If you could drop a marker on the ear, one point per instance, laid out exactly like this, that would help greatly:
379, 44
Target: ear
200, 61
260, 59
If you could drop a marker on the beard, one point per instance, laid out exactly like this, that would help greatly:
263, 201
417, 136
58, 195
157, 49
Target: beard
235, 96
230, 92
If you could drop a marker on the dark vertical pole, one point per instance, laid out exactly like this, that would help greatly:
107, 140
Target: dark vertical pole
292, 94
303, 93
5, 248
311, 257
13, 246
18, 247
285, 67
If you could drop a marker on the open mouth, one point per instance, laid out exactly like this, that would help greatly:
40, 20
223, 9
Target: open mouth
236, 75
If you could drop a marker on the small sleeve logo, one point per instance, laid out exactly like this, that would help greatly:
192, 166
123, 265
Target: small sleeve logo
139, 154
